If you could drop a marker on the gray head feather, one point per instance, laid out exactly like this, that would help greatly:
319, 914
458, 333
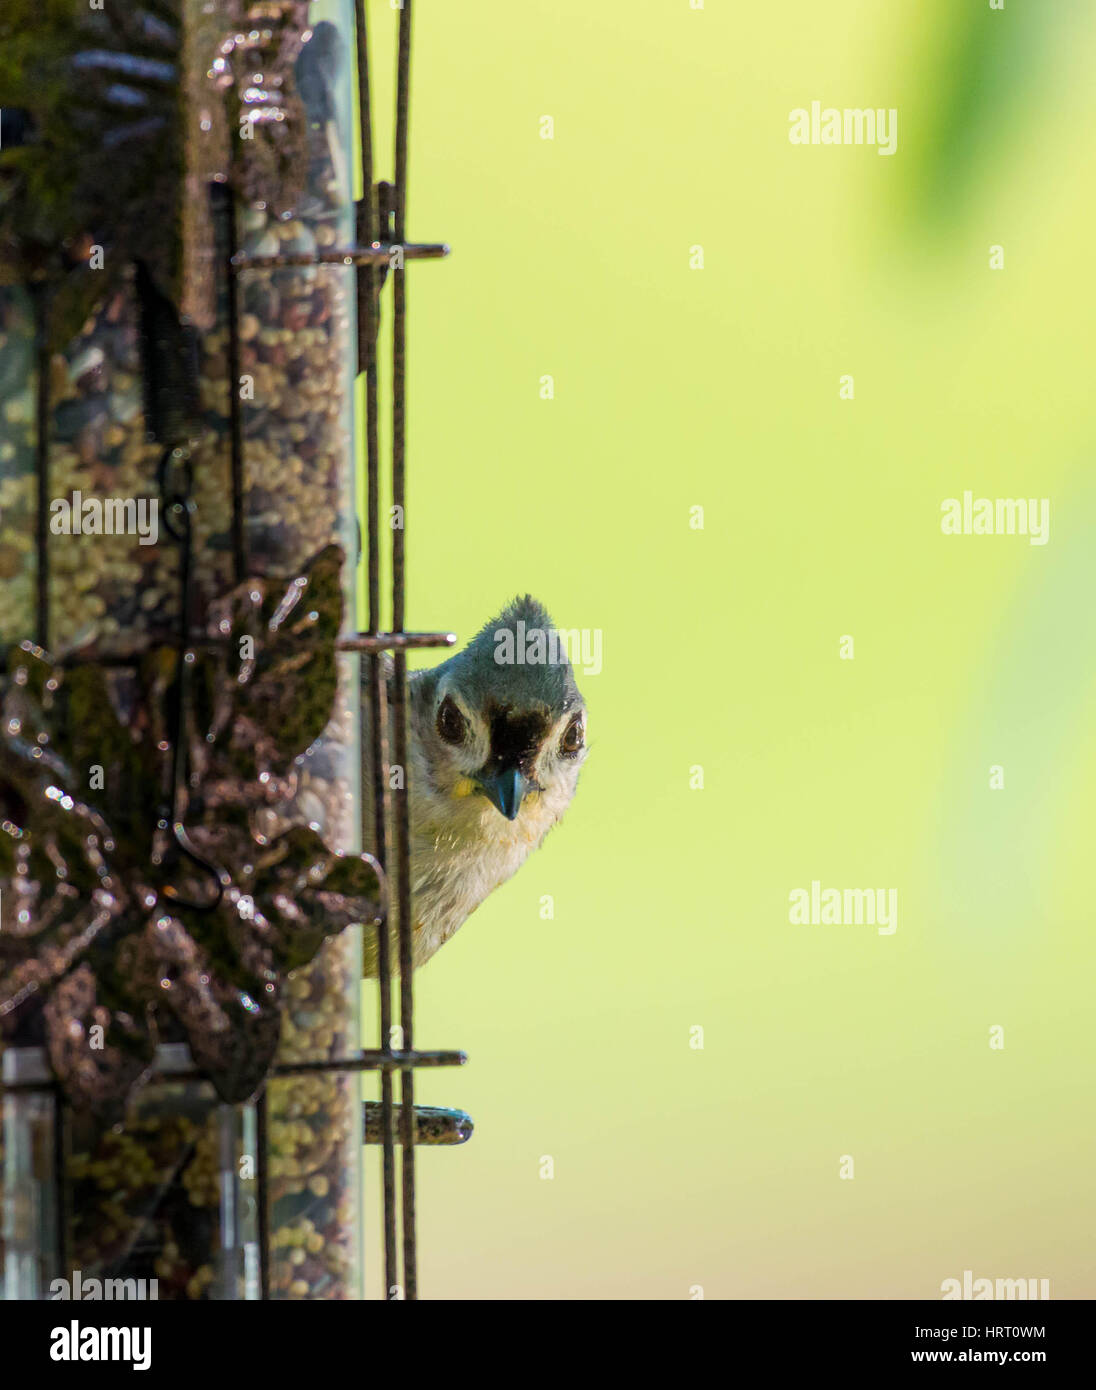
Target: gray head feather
518, 659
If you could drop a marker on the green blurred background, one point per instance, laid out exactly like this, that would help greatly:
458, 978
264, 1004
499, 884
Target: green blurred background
676, 1167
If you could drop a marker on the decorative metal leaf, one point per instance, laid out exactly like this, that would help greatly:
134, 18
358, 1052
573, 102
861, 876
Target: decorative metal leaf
124, 115
113, 928
105, 1074
279, 668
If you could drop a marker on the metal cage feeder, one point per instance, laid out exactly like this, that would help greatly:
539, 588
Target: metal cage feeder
213, 370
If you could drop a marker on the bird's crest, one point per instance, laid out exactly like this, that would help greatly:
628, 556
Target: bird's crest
519, 658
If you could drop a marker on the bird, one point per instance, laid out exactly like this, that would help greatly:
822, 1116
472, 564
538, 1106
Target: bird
496, 743
496, 739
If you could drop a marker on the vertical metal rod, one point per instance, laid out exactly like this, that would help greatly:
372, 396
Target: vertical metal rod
403, 828
228, 1262
179, 514
379, 752
41, 300
367, 232
235, 405
262, 1194
60, 1183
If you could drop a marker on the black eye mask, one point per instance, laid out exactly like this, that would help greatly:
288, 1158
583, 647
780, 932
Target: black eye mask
515, 738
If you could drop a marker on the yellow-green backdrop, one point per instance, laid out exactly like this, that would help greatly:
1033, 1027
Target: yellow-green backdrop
678, 1168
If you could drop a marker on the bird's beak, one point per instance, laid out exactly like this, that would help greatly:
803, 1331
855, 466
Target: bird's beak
507, 789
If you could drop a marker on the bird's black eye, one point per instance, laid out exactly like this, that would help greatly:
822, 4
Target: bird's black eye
571, 741
450, 721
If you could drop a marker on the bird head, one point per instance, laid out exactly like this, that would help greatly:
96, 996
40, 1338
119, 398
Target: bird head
504, 719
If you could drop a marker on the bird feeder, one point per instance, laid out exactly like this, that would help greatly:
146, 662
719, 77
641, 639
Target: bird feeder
188, 291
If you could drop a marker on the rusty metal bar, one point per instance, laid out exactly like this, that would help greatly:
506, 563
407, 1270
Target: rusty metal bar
41, 301
235, 405
394, 641
433, 1125
373, 1059
377, 253
368, 642
367, 231
60, 1182
399, 501
377, 1060
262, 1194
